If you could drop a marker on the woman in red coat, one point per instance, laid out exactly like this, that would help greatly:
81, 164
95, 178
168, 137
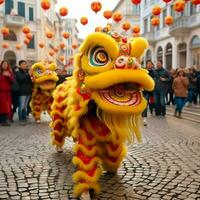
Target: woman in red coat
6, 80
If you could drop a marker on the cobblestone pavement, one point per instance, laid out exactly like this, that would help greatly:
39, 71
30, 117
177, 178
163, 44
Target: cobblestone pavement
165, 166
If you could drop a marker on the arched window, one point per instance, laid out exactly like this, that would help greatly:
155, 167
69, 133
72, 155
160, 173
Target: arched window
11, 37
168, 56
195, 42
159, 53
148, 55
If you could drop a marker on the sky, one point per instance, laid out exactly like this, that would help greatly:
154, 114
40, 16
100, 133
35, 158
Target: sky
80, 8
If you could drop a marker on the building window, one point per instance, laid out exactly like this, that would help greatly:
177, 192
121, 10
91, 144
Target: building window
31, 14
160, 53
11, 37
193, 9
31, 45
9, 5
164, 15
145, 25
172, 11
21, 9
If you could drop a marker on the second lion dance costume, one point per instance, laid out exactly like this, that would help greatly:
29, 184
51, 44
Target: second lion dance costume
44, 79
100, 105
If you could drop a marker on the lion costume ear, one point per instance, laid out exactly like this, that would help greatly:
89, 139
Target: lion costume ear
138, 46
53, 66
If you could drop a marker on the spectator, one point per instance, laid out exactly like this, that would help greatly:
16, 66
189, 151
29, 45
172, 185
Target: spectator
6, 80
161, 77
25, 90
180, 87
148, 95
198, 87
192, 76
170, 93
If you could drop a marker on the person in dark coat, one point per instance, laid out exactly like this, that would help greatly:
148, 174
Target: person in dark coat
162, 79
25, 90
6, 80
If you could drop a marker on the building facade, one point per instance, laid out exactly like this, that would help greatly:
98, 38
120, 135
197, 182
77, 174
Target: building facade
15, 14
130, 13
177, 45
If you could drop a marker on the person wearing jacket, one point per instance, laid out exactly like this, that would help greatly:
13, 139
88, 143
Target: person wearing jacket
25, 90
6, 80
161, 78
180, 87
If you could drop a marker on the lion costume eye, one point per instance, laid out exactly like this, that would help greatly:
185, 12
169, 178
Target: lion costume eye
38, 71
98, 56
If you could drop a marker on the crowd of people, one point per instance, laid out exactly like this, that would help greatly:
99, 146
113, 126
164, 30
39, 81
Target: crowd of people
180, 87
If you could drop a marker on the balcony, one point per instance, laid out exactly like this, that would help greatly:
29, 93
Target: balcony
14, 20
150, 37
183, 24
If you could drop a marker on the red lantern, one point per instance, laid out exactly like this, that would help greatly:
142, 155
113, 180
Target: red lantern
49, 34
1, 2
98, 29
117, 17
155, 21
45, 4
62, 58
74, 46
169, 20
18, 46
55, 49
5, 45
41, 45
107, 14
51, 53
126, 26
26, 41
63, 11
156, 10
136, 2
26, 30
136, 29
167, 1
195, 2
62, 45
96, 6
179, 5
66, 35
84, 20
5, 31
29, 36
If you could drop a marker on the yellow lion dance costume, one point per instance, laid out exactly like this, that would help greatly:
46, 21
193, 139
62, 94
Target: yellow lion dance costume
100, 105
44, 78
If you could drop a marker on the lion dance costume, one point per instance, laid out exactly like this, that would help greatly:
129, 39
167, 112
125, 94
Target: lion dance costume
44, 78
100, 105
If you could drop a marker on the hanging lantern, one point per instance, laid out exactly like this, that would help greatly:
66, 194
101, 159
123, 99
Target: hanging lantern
136, 2
84, 20
62, 45
26, 41
96, 6
26, 30
63, 11
66, 35
1, 2
126, 26
117, 17
5, 45
18, 46
29, 36
45, 4
107, 14
156, 10
98, 29
179, 5
5, 31
167, 1
136, 29
155, 21
195, 2
55, 49
62, 58
41, 45
51, 53
74, 46
169, 20
49, 34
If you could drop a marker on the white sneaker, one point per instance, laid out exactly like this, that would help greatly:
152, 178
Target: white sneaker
85, 196
59, 149
145, 121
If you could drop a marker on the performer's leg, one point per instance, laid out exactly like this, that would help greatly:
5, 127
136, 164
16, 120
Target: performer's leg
88, 164
36, 107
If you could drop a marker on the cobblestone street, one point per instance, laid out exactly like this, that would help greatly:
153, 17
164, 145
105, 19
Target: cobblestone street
165, 166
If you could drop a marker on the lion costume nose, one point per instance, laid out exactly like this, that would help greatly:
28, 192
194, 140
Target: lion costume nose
126, 62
